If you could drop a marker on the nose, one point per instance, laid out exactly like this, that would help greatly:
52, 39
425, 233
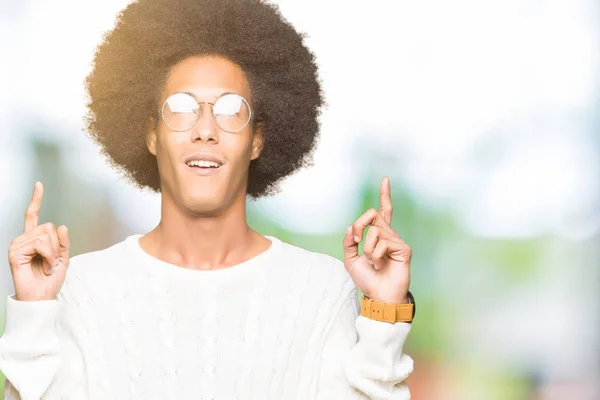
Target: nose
206, 127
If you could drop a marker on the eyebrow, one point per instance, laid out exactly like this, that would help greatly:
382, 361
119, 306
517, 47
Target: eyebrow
218, 97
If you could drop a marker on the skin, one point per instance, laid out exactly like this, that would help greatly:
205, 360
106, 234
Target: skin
38, 258
203, 224
382, 272
203, 218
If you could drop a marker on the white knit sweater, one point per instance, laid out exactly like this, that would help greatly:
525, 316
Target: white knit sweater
282, 325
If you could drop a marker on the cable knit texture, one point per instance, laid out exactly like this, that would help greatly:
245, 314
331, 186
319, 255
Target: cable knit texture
282, 325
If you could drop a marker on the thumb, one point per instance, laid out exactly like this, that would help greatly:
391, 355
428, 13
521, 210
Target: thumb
64, 243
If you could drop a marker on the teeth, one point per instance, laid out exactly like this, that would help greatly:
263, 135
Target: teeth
203, 163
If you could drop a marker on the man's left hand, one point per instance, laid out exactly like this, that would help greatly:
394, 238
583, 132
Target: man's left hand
382, 272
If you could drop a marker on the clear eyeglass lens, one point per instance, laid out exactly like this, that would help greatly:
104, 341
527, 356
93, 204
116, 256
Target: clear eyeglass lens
180, 111
231, 112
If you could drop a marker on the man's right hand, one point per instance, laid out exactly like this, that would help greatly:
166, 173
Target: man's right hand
39, 258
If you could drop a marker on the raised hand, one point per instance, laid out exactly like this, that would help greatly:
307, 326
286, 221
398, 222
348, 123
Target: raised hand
39, 258
382, 272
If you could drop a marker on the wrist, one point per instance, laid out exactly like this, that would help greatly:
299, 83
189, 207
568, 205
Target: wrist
406, 299
388, 312
33, 297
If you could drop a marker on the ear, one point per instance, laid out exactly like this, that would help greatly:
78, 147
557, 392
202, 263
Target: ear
151, 138
258, 140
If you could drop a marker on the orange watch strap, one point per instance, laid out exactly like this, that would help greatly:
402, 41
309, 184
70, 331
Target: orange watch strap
381, 311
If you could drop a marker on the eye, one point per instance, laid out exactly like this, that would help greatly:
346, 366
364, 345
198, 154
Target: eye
181, 103
230, 104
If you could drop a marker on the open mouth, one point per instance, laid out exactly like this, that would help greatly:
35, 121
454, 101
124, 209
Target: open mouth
203, 167
203, 164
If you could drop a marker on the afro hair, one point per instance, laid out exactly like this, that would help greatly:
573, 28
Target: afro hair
132, 62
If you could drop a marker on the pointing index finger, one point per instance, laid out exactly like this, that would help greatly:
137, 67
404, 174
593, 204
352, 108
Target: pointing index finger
385, 199
32, 213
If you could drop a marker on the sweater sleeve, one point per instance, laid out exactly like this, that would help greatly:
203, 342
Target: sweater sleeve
38, 353
363, 358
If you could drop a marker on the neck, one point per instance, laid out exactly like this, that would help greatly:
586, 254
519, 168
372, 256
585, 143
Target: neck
206, 242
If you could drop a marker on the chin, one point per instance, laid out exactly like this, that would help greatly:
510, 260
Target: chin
205, 204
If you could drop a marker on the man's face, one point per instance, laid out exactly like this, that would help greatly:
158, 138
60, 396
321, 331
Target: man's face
201, 190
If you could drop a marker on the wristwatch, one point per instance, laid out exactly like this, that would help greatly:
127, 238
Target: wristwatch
392, 313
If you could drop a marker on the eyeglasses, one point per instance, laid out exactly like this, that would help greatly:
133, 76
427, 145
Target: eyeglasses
231, 112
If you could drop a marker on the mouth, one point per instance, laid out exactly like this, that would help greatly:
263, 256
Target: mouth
204, 165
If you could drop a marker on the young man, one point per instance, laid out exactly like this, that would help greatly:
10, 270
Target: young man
207, 102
